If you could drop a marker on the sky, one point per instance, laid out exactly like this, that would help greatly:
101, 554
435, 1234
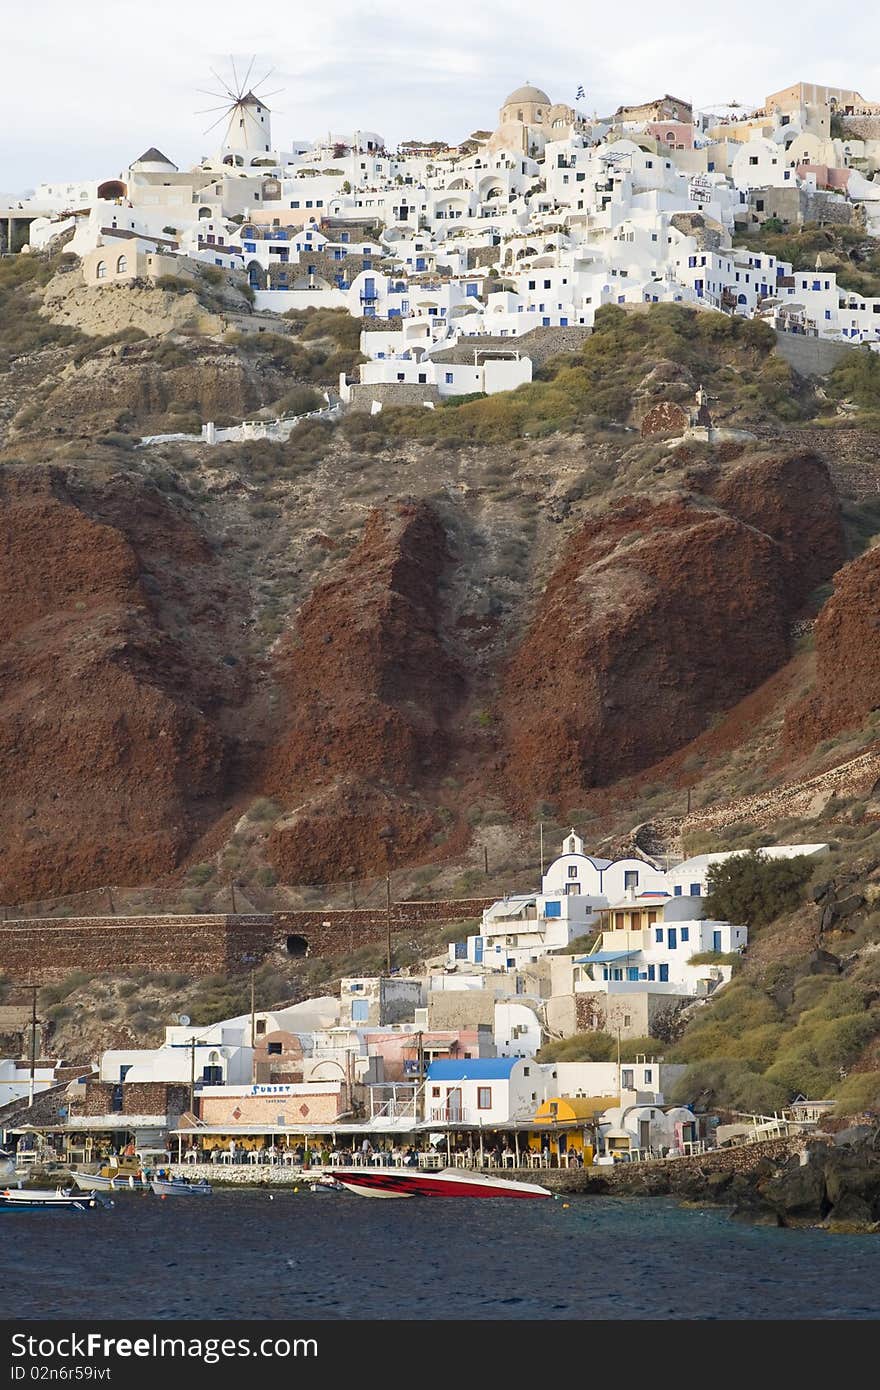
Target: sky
91, 85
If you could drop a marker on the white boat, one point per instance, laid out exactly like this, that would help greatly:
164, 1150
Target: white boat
325, 1183
179, 1187
448, 1182
98, 1182
35, 1199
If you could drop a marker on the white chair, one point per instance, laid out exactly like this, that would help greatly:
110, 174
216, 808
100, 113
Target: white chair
255, 1156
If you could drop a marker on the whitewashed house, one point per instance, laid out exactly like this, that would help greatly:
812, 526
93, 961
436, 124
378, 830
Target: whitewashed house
521, 928
486, 1091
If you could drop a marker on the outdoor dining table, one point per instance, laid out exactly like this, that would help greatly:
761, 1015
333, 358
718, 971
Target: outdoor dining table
431, 1161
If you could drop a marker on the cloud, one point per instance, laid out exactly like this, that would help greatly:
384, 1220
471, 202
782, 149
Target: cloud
92, 85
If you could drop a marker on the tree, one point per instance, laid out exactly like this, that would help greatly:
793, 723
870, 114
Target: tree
754, 889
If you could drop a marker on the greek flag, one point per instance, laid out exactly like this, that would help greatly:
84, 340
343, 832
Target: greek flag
580, 94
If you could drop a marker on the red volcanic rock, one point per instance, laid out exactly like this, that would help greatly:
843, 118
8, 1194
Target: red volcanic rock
659, 616
104, 754
847, 640
791, 498
369, 684
348, 830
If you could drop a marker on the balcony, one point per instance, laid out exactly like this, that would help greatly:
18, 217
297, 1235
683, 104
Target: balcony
368, 297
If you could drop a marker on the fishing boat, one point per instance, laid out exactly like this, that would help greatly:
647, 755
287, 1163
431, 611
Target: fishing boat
325, 1183
113, 1177
34, 1199
179, 1187
447, 1182
101, 1182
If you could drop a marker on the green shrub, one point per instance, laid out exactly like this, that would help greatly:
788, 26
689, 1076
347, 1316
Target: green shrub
55, 993
582, 1047
859, 1092
264, 809
199, 874
754, 889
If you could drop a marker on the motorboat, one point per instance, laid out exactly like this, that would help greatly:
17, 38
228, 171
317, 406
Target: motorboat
35, 1199
180, 1187
124, 1174
117, 1182
446, 1182
327, 1182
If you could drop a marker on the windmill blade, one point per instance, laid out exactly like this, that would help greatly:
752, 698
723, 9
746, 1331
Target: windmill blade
263, 79
264, 96
213, 124
244, 85
238, 86
206, 110
233, 96
205, 93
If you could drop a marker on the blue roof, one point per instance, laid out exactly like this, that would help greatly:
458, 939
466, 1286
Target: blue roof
602, 957
473, 1069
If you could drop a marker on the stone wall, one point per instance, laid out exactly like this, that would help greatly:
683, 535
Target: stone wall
392, 393
811, 356
864, 127
141, 1098
44, 949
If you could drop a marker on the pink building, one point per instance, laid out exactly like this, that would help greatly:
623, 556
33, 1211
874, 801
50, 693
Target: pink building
826, 176
400, 1051
672, 135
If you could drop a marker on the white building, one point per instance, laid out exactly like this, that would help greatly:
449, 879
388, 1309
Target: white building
486, 1091
521, 928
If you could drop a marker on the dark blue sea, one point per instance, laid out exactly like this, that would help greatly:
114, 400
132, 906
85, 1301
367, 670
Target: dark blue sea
244, 1255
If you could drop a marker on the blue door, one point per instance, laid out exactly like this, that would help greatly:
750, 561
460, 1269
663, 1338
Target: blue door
478, 950
664, 974
716, 941
672, 938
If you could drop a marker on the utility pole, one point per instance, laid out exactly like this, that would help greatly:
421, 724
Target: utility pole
388, 902
253, 1033
33, 989
541, 824
232, 886
110, 901
486, 859
192, 1074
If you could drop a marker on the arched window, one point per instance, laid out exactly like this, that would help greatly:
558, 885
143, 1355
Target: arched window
571, 846
101, 270
122, 266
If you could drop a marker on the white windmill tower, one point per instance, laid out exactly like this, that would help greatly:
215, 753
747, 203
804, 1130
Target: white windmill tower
243, 108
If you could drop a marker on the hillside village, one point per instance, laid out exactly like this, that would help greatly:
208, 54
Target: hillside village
326, 625
534, 225
448, 1052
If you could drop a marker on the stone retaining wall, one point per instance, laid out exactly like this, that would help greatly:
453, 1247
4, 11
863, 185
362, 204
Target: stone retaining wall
45, 949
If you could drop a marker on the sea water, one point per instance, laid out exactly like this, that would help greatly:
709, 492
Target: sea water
332, 1255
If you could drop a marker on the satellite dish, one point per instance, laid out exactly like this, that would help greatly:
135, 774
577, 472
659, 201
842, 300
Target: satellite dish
183, 1020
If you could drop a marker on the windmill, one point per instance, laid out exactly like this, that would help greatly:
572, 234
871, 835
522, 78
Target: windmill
243, 108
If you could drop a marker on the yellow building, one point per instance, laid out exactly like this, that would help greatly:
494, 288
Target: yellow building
566, 1124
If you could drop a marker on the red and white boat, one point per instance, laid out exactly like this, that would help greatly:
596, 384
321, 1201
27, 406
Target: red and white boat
447, 1182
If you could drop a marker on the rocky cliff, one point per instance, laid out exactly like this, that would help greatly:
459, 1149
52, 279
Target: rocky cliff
371, 688
847, 637
661, 614
111, 751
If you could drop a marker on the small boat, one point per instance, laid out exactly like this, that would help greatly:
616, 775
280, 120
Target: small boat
179, 1187
447, 1182
34, 1199
325, 1183
100, 1182
117, 1175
